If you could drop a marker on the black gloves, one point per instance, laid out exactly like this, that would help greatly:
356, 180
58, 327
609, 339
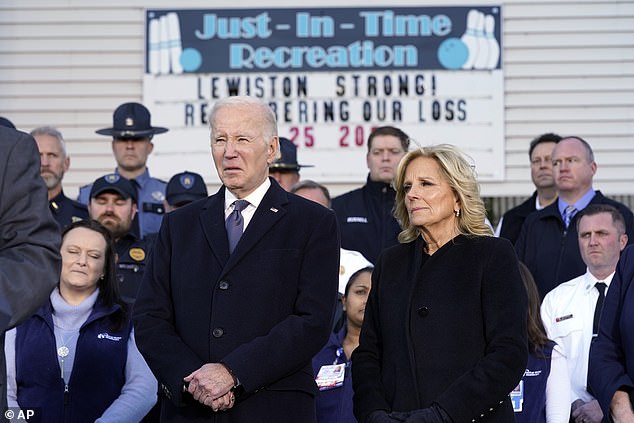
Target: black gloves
432, 414
381, 416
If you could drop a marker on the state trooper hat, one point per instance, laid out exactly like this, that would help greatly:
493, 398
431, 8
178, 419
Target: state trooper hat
113, 183
131, 120
184, 188
288, 161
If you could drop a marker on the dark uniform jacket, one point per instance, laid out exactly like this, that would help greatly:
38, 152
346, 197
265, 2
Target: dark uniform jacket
514, 218
365, 219
66, 211
132, 256
335, 405
448, 328
265, 310
550, 251
29, 237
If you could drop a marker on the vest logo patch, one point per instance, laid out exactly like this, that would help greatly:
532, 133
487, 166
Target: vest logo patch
356, 219
105, 335
532, 373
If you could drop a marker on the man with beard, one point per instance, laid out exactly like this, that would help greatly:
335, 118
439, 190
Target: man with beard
113, 203
54, 163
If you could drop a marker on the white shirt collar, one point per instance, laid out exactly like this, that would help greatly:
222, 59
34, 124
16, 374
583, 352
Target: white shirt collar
538, 205
589, 280
254, 199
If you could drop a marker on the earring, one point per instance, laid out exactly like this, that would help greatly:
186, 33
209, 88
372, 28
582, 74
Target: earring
458, 213
102, 277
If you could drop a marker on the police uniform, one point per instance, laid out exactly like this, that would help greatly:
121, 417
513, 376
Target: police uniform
150, 194
66, 211
132, 250
132, 255
133, 121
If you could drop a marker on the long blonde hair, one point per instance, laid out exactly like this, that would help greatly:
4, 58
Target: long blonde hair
460, 176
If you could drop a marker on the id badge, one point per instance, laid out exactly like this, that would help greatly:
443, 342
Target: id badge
517, 397
330, 376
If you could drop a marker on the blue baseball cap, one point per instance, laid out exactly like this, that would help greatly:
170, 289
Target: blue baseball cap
184, 188
113, 183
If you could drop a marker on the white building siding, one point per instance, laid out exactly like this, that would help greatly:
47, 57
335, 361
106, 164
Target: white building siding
569, 68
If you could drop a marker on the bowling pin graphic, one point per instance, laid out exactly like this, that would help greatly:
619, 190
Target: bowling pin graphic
494, 46
174, 37
482, 59
154, 60
164, 49
469, 39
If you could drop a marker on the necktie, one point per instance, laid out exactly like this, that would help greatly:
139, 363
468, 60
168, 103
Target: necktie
235, 223
601, 286
569, 212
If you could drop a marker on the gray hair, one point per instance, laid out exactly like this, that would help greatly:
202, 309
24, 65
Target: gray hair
53, 132
310, 184
246, 101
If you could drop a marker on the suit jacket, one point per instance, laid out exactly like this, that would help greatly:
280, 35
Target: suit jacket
29, 236
448, 328
264, 310
611, 364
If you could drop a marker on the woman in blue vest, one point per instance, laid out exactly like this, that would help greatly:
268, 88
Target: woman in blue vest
75, 359
543, 395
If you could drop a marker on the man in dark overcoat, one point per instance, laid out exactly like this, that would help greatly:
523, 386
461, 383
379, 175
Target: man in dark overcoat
241, 287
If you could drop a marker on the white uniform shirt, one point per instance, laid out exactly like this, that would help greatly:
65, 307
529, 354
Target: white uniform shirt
568, 313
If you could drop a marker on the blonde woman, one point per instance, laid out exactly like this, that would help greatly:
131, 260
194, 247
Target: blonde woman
444, 337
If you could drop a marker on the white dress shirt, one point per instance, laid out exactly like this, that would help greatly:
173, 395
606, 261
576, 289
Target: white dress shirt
568, 313
254, 199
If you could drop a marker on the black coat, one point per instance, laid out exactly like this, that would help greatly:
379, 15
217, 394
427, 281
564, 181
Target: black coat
264, 310
514, 218
551, 252
366, 219
448, 328
611, 364
29, 237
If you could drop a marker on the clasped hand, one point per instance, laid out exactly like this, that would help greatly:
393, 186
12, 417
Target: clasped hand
431, 414
212, 385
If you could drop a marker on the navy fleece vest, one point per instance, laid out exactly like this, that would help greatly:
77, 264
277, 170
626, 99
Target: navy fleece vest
535, 378
98, 371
